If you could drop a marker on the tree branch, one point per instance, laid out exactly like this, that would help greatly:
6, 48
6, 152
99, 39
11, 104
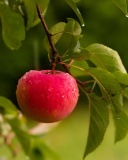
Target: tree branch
49, 35
55, 54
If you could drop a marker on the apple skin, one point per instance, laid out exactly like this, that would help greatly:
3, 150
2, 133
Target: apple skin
47, 97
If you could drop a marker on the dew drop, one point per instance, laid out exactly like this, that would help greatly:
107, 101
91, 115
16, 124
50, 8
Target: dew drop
63, 96
36, 81
50, 89
127, 15
118, 117
30, 82
57, 94
24, 77
83, 25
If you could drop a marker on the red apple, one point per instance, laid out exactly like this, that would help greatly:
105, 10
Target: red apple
45, 96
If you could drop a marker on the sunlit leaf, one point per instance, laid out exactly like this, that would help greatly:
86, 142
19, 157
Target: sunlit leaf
80, 54
82, 76
13, 30
99, 119
74, 30
121, 77
109, 86
121, 4
106, 58
73, 27
121, 126
72, 4
57, 29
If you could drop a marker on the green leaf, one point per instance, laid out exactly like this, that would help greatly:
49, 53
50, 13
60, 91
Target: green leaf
121, 77
82, 76
74, 29
39, 150
109, 86
74, 41
122, 5
31, 11
72, 4
99, 119
32, 16
80, 54
13, 30
126, 92
121, 126
8, 106
57, 29
106, 58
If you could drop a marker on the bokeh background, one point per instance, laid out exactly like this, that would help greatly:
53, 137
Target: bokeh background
105, 24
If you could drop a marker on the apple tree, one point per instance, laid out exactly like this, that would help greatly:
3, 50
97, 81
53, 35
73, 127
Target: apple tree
98, 70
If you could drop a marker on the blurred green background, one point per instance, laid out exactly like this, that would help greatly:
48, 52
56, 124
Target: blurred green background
105, 24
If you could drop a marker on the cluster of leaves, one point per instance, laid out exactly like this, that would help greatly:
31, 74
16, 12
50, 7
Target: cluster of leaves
108, 73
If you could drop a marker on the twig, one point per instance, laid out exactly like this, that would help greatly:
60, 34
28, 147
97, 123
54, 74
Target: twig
55, 54
49, 35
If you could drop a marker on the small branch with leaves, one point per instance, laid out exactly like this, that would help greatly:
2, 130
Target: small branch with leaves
56, 58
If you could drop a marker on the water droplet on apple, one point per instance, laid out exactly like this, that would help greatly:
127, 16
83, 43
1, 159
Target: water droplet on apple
36, 81
50, 89
24, 77
63, 96
30, 81
72, 92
